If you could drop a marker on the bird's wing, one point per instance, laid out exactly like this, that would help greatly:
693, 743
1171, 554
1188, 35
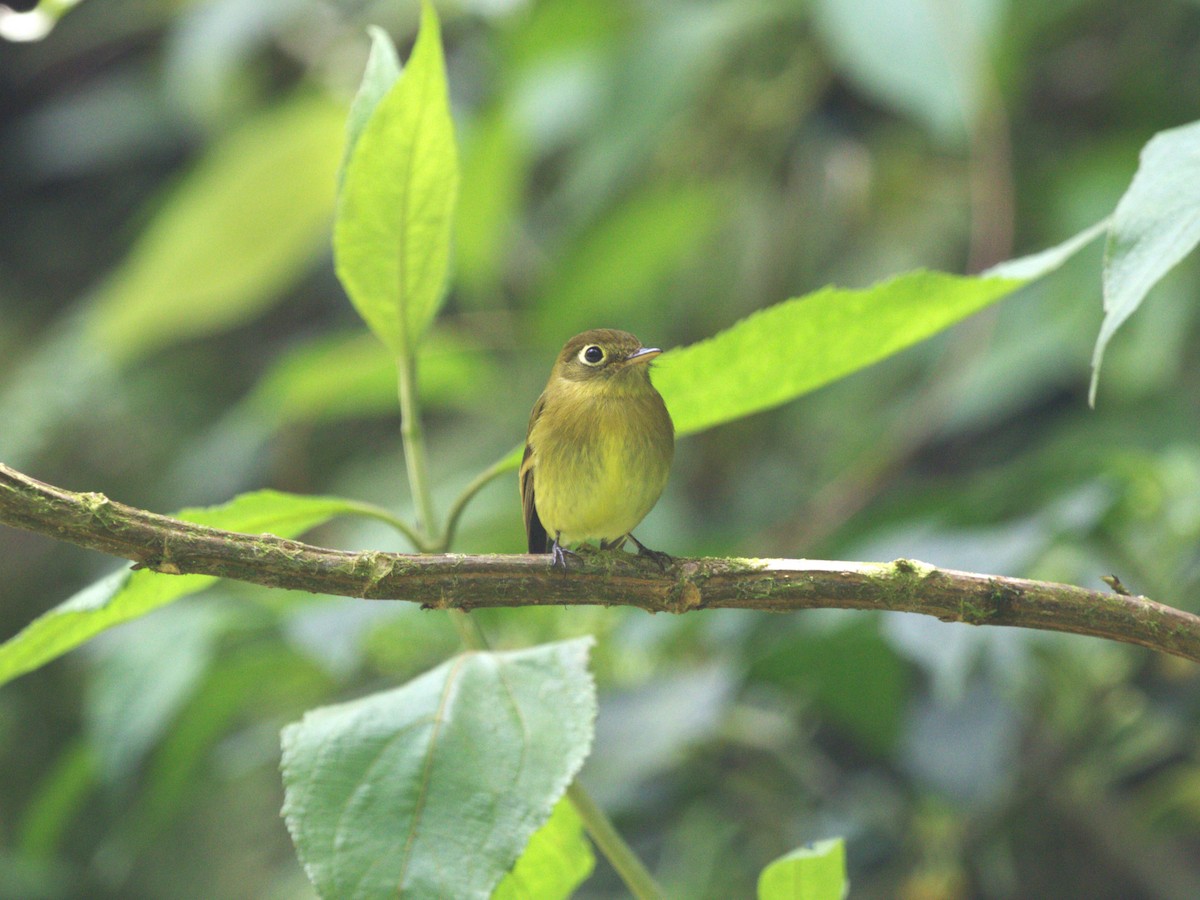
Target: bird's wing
535, 532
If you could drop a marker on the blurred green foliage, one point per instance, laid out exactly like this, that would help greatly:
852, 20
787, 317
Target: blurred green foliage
665, 167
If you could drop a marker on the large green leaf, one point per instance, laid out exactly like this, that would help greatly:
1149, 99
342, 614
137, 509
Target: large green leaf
391, 237
125, 594
1156, 224
801, 344
924, 58
557, 860
434, 788
814, 872
236, 232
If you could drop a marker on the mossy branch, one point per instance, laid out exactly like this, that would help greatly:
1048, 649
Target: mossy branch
465, 582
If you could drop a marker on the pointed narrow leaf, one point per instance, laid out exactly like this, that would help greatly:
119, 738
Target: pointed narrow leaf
125, 594
1042, 263
801, 344
814, 872
1156, 224
391, 237
557, 860
383, 68
434, 788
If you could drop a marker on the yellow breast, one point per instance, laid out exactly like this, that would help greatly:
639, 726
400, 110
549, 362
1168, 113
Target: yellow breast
598, 473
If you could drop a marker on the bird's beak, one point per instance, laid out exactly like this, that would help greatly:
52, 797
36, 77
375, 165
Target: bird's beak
642, 355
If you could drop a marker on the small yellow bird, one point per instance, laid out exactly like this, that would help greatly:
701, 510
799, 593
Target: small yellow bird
599, 447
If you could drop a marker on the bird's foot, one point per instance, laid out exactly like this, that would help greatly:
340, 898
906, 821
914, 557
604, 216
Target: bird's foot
559, 555
662, 560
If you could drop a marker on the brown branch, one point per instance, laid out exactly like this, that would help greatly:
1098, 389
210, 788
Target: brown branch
453, 581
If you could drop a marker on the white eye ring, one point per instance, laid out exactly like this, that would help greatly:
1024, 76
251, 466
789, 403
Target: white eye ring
583, 355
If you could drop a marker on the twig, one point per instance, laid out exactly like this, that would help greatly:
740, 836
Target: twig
453, 581
508, 463
371, 511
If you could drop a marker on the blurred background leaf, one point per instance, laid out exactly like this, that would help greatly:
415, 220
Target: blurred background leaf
670, 168
922, 58
212, 259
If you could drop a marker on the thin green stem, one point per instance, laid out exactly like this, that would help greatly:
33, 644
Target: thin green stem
371, 511
635, 875
414, 447
506, 464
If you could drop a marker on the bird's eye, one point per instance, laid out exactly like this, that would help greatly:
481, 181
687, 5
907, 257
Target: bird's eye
591, 355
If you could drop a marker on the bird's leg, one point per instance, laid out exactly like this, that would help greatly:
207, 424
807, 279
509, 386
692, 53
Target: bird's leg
616, 544
560, 553
662, 559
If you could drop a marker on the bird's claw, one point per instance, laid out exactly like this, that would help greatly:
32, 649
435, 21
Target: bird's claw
559, 554
662, 560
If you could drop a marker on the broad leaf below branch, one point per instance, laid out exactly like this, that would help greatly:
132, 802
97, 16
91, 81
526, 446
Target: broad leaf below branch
433, 789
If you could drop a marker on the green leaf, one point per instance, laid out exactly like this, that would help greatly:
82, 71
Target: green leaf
557, 860
434, 788
383, 68
391, 237
798, 345
239, 229
923, 58
125, 594
1036, 265
297, 387
1155, 225
814, 872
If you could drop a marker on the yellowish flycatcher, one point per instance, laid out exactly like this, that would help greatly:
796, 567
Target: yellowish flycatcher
599, 447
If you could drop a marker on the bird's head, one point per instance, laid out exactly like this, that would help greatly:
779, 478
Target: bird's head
602, 355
